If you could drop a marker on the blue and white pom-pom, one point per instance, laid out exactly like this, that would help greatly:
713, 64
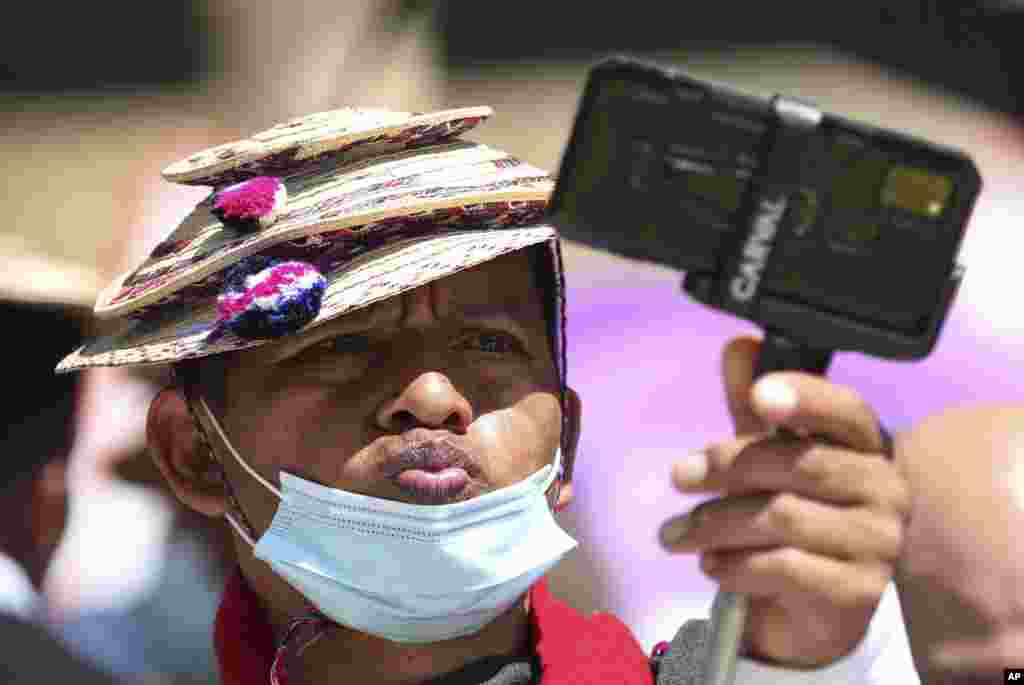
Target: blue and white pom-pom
252, 204
267, 298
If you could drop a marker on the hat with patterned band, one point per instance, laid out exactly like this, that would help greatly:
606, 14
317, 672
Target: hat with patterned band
313, 219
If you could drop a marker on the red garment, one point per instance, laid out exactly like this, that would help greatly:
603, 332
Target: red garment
572, 648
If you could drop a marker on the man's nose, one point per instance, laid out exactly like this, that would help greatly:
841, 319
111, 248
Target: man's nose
430, 400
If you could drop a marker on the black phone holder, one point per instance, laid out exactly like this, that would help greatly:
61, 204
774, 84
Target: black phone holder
827, 233
797, 337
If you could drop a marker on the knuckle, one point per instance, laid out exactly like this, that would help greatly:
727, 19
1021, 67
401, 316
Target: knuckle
874, 586
893, 490
786, 562
901, 500
853, 401
891, 537
782, 514
860, 415
878, 538
812, 469
857, 597
861, 592
719, 458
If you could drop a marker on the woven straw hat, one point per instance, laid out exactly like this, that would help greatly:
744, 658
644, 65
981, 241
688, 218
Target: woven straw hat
379, 202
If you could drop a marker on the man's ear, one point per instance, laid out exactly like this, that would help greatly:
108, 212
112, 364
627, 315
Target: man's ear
189, 468
574, 417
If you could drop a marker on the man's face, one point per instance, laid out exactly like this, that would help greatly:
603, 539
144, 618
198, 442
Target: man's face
458, 373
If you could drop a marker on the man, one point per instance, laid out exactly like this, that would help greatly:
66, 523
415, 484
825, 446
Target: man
366, 323
43, 306
961, 576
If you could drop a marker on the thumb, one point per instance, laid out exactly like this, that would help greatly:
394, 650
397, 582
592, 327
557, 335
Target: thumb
739, 359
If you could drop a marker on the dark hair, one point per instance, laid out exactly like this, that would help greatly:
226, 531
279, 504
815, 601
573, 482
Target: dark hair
39, 413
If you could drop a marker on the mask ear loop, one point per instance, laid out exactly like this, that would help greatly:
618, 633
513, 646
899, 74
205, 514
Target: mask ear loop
246, 531
555, 489
227, 443
303, 631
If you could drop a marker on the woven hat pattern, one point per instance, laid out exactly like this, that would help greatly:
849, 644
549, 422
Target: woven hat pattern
157, 341
300, 144
339, 200
413, 206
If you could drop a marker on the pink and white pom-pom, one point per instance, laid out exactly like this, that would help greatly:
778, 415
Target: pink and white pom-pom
267, 298
254, 203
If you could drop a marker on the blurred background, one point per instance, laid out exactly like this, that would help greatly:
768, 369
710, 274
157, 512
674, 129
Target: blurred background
96, 99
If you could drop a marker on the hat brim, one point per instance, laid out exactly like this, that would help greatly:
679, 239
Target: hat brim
189, 332
339, 202
345, 134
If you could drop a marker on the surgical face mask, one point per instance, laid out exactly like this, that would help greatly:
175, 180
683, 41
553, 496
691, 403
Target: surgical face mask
409, 573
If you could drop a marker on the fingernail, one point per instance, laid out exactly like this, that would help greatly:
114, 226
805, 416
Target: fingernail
691, 470
776, 394
674, 530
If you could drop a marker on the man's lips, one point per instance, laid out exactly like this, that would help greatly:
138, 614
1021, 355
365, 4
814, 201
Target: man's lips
429, 468
433, 486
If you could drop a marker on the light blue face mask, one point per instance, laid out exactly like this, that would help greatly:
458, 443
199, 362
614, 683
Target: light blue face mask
409, 573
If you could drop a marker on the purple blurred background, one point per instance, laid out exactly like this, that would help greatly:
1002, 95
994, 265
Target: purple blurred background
648, 359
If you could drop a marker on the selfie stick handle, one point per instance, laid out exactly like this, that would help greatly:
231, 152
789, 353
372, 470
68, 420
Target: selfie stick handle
729, 611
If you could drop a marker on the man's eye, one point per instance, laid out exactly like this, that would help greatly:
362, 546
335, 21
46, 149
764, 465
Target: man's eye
345, 344
492, 342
